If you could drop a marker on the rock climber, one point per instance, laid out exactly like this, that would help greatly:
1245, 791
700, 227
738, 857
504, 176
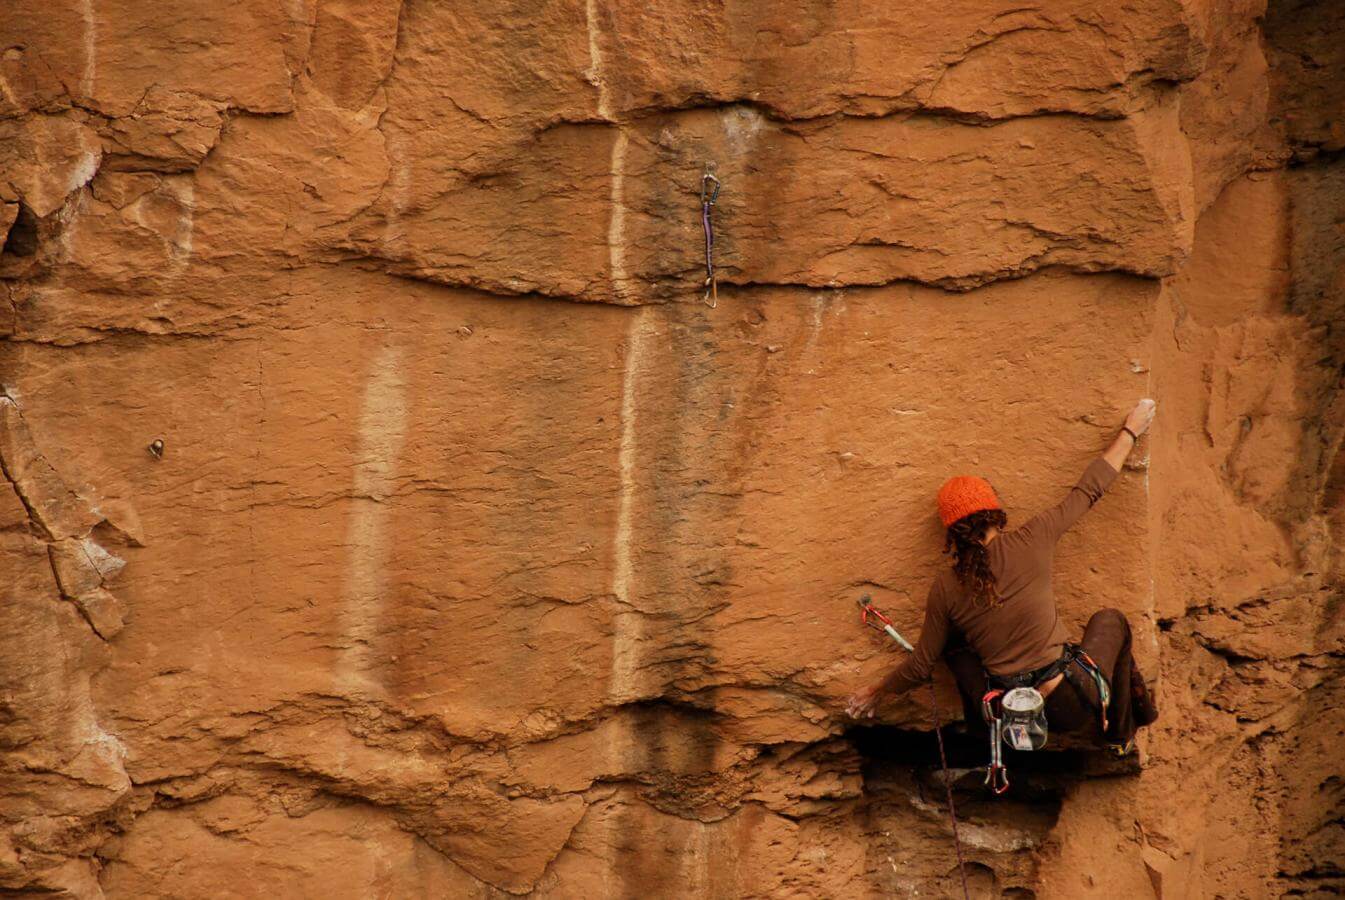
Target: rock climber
992, 613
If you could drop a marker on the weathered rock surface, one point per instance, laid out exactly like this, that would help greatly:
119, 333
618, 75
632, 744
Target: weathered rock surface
481, 558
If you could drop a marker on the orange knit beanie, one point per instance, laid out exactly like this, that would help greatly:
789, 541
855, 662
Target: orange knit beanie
964, 495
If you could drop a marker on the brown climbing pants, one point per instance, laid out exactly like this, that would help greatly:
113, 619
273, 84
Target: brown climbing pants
1072, 706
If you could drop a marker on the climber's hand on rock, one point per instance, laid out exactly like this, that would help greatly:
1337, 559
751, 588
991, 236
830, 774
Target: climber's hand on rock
863, 703
1142, 416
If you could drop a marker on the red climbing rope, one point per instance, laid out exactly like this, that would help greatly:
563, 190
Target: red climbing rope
884, 624
948, 788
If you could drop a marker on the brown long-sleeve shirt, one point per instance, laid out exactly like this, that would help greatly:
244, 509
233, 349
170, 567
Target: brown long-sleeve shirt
1024, 631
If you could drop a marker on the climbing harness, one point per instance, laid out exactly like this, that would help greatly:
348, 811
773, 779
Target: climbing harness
1072, 655
873, 618
1015, 711
709, 196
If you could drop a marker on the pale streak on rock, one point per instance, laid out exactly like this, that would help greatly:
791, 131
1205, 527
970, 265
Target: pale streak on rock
628, 634
817, 315
616, 228
382, 431
628, 625
90, 73
184, 191
616, 223
594, 73
83, 173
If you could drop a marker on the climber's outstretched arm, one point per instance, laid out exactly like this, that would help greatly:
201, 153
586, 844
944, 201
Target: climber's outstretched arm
915, 668
1046, 527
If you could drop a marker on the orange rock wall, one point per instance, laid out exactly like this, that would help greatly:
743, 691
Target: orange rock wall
484, 559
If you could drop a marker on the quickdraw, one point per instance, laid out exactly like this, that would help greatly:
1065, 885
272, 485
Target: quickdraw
879, 622
996, 774
709, 196
873, 618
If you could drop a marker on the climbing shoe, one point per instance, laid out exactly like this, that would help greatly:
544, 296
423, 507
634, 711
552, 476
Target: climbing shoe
1122, 749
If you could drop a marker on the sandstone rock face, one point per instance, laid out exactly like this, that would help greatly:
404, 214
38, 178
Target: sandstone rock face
478, 556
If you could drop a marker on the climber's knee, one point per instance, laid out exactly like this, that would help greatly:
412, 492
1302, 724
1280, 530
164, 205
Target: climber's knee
1109, 615
1106, 628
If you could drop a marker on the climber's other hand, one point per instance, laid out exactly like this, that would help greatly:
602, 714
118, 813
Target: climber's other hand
863, 703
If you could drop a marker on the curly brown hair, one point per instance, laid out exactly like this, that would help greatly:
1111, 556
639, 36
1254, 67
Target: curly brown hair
971, 561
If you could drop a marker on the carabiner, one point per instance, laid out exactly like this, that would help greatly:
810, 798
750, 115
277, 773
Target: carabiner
712, 195
997, 778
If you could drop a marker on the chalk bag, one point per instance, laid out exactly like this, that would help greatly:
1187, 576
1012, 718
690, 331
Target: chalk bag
1023, 722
